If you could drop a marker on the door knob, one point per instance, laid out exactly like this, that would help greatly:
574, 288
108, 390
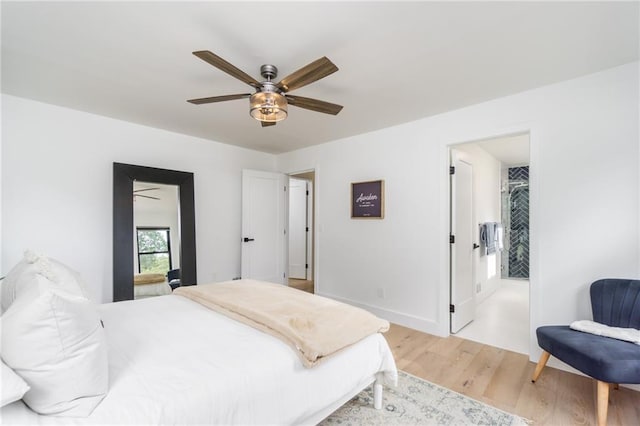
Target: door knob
246, 240
475, 246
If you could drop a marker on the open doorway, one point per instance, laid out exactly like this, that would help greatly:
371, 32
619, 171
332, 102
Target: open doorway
301, 222
499, 242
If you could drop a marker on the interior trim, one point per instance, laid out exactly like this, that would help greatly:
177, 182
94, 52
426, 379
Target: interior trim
123, 177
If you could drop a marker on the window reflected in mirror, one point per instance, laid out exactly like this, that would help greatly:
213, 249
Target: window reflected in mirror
154, 250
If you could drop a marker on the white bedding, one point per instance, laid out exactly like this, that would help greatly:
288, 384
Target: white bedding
148, 290
172, 361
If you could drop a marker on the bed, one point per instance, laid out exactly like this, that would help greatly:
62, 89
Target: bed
174, 361
148, 285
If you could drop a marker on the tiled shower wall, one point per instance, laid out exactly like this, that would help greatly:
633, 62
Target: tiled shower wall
515, 257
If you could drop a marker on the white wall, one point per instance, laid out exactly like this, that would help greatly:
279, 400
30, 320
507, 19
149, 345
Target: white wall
57, 173
486, 208
584, 200
2, 268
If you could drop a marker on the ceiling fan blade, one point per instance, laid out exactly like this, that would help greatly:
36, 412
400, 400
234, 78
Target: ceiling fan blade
308, 74
225, 66
314, 104
145, 189
213, 99
146, 196
268, 123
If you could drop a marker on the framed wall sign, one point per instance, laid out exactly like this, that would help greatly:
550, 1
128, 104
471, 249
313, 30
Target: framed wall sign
367, 200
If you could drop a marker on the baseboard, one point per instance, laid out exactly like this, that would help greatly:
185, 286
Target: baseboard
480, 297
490, 286
417, 323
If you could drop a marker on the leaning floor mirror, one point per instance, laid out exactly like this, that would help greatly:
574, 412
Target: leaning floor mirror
153, 231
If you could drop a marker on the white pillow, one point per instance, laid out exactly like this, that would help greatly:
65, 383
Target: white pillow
13, 387
9, 282
54, 340
18, 278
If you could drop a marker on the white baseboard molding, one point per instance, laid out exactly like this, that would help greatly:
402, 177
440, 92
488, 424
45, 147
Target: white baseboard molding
484, 294
489, 287
417, 323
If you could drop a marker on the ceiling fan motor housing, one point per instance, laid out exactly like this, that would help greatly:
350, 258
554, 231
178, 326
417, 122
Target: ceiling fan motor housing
268, 71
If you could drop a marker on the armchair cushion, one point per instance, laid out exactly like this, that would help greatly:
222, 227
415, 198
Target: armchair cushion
603, 358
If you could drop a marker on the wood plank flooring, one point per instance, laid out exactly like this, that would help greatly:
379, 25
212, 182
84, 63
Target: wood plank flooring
502, 378
304, 285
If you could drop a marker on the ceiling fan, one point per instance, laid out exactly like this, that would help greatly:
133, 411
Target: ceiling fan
269, 102
135, 193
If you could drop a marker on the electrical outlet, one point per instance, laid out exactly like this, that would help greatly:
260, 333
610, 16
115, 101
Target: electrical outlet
478, 287
381, 292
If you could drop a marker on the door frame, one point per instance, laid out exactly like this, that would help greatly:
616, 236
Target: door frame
534, 275
308, 237
311, 225
315, 228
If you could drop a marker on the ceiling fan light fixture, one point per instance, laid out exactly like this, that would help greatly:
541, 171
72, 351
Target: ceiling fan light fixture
270, 107
271, 101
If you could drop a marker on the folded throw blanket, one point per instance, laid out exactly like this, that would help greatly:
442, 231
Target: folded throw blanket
144, 279
627, 334
314, 326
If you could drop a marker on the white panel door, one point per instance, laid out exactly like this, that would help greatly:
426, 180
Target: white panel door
297, 228
463, 295
263, 226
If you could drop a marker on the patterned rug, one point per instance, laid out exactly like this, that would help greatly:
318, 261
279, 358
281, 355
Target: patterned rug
418, 402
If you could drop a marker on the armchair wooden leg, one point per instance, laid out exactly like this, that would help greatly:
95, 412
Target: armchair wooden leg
603, 402
541, 363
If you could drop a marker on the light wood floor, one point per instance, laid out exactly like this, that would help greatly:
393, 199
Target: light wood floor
502, 378
304, 285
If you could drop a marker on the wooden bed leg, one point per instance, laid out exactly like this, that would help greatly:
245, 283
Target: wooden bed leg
616, 386
603, 403
377, 392
541, 363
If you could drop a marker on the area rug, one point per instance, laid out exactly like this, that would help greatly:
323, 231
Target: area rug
418, 402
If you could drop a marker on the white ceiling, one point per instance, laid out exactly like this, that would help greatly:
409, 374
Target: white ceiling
156, 188
398, 61
167, 194
510, 150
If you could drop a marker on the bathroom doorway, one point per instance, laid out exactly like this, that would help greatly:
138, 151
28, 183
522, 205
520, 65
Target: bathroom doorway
300, 226
500, 272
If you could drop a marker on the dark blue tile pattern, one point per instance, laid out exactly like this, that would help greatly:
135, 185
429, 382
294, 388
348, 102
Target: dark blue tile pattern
519, 222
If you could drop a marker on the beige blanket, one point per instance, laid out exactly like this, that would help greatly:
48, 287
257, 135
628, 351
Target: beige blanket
144, 279
313, 325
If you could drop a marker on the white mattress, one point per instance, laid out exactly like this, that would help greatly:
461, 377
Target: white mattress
148, 290
173, 361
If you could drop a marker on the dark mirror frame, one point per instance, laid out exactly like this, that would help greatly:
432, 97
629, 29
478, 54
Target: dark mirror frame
123, 177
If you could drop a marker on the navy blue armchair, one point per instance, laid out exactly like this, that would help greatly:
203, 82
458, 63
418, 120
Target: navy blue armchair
173, 276
616, 303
